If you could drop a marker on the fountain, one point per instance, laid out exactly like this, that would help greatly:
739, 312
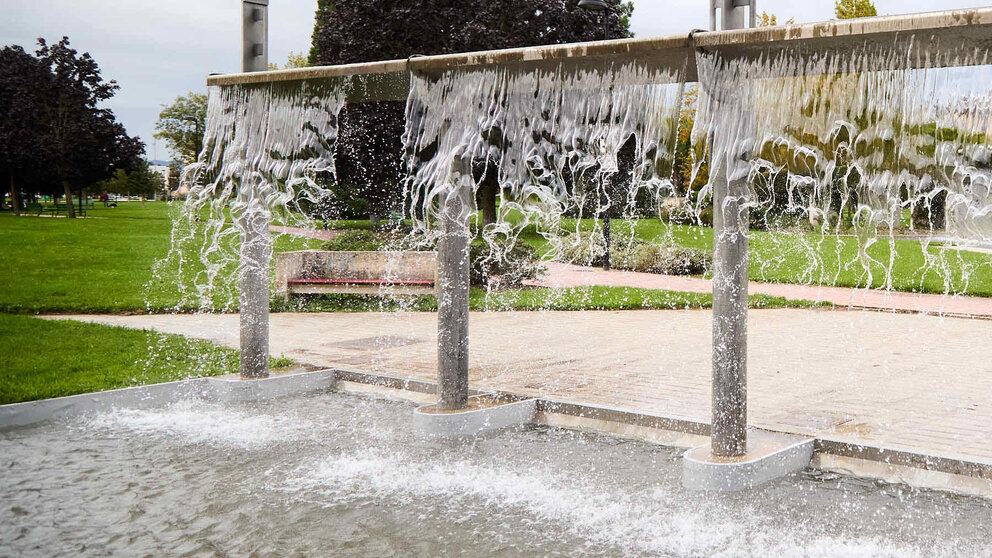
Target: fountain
553, 120
869, 129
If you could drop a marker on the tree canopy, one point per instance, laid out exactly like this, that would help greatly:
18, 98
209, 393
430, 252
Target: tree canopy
58, 135
369, 139
850, 9
181, 125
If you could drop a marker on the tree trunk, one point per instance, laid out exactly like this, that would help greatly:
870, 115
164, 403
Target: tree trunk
68, 199
487, 200
82, 200
15, 198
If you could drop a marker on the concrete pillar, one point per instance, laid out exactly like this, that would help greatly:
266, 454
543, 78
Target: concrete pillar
255, 35
453, 288
256, 252
256, 241
732, 14
730, 258
729, 151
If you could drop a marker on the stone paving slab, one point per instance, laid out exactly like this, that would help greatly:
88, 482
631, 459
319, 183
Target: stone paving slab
904, 381
569, 275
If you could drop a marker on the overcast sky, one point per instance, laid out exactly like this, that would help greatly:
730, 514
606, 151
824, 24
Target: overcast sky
157, 50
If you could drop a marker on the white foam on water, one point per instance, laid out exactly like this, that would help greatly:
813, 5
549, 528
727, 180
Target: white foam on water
654, 522
195, 422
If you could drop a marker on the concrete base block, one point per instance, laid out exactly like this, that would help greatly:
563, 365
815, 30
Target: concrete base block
228, 389
483, 414
770, 455
221, 389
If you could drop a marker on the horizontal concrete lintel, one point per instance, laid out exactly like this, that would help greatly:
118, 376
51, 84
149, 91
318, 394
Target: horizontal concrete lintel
931, 33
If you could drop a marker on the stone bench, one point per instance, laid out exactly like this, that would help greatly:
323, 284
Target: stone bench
324, 272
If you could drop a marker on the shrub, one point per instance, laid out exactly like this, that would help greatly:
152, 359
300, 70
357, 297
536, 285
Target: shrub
509, 266
667, 259
587, 248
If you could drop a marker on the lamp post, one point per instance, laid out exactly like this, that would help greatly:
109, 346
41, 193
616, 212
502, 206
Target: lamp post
602, 7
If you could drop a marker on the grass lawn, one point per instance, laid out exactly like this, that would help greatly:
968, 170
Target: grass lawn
47, 358
580, 298
806, 258
103, 264
100, 264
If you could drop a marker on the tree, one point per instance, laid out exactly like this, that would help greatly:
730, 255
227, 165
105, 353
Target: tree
769, 20
87, 142
182, 124
850, 9
369, 138
23, 152
293, 60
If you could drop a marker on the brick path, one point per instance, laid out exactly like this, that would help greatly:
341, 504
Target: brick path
904, 381
567, 275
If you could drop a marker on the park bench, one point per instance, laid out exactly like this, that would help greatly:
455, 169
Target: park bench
35, 208
324, 272
63, 209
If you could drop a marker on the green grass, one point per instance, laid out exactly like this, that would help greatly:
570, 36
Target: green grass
48, 358
101, 264
808, 258
579, 298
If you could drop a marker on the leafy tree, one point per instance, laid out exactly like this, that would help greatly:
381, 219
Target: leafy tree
181, 125
850, 9
369, 139
87, 142
24, 155
685, 186
769, 20
293, 60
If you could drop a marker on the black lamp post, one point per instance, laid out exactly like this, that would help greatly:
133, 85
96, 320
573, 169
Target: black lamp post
602, 6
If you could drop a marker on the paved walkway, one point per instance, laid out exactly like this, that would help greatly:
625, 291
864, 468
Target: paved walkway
568, 275
904, 381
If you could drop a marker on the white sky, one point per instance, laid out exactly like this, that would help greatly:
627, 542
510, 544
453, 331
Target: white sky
157, 50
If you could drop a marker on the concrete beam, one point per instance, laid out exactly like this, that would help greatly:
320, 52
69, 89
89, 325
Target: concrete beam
925, 35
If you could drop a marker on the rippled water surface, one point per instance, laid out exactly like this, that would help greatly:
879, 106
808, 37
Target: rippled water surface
340, 475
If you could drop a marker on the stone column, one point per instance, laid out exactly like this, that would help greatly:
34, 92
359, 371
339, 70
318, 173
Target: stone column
256, 241
256, 252
730, 258
453, 288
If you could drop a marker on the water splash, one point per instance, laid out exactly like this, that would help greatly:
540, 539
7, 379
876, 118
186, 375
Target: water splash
879, 144
268, 157
554, 144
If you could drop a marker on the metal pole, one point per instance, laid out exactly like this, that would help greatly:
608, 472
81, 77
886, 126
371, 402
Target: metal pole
730, 259
453, 289
256, 241
255, 35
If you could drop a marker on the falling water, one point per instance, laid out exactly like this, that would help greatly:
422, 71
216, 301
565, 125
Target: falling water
866, 168
556, 144
871, 144
268, 157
